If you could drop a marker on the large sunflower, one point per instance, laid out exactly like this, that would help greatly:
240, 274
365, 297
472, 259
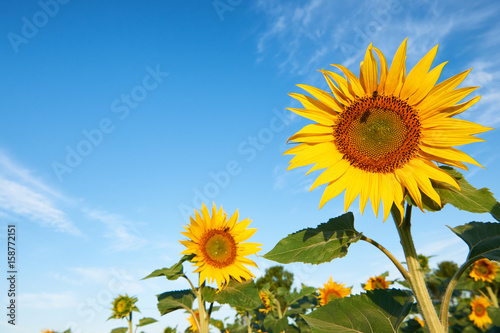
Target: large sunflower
484, 270
377, 282
478, 314
217, 244
379, 135
332, 290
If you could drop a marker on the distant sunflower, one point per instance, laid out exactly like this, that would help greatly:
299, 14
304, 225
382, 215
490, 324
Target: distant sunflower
484, 270
217, 244
332, 290
47, 331
478, 314
266, 301
378, 136
123, 305
193, 327
377, 282
420, 321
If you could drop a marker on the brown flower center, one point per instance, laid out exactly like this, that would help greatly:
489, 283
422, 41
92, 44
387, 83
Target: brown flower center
378, 133
332, 295
219, 248
480, 310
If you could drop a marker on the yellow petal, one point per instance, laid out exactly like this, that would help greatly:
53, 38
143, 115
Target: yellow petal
383, 70
418, 74
323, 97
369, 72
397, 67
427, 84
355, 85
316, 115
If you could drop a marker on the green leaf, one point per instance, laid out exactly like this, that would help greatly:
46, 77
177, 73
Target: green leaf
175, 300
146, 321
275, 325
120, 330
295, 296
494, 314
242, 295
482, 238
468, 198
374, 311
324, 243
172, 273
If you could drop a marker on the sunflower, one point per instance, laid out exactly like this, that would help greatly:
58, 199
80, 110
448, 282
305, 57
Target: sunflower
378, 136
484, 270
123, 306
217, 243
266, 301
193, 327
332, 290
47, 331
377, 282
478, 314
420, 321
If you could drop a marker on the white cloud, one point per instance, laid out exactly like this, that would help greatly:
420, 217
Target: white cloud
24, 195
46, 300
24, 201
122, 232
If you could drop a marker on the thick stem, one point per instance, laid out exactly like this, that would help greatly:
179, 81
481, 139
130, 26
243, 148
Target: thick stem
415, 274
395, 261
493, 296
204, 318
249, 327
130, 323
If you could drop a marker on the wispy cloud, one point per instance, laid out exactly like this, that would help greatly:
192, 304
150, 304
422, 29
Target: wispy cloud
46, 300
123, 234
21, 194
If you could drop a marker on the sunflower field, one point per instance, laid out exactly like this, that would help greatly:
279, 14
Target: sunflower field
387, 136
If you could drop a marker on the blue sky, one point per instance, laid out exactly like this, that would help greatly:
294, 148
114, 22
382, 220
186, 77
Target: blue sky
119, 118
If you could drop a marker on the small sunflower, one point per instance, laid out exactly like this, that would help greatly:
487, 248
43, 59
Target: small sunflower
193, 327
484, 270
266, 301
478, 314
332, 290
47, 331
379, 136
377, 282
217, 243
123, 306
420, 321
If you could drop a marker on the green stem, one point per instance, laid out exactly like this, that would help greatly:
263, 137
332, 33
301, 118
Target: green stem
249, 327
204, 318
445, 305
415, 274
492, 295
130, 322
395, 261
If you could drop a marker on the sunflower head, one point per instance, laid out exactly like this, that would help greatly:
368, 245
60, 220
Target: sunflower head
123, 306
478, 314
217, 243
377, 282
47, 331
266, 301
332, 290
192, 321
484, 270
378, 136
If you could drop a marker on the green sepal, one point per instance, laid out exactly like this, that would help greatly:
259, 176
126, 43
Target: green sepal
324, 243
482, 238
175, 300
146, 321
174, 272
374, 311
242, 295
120, 330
